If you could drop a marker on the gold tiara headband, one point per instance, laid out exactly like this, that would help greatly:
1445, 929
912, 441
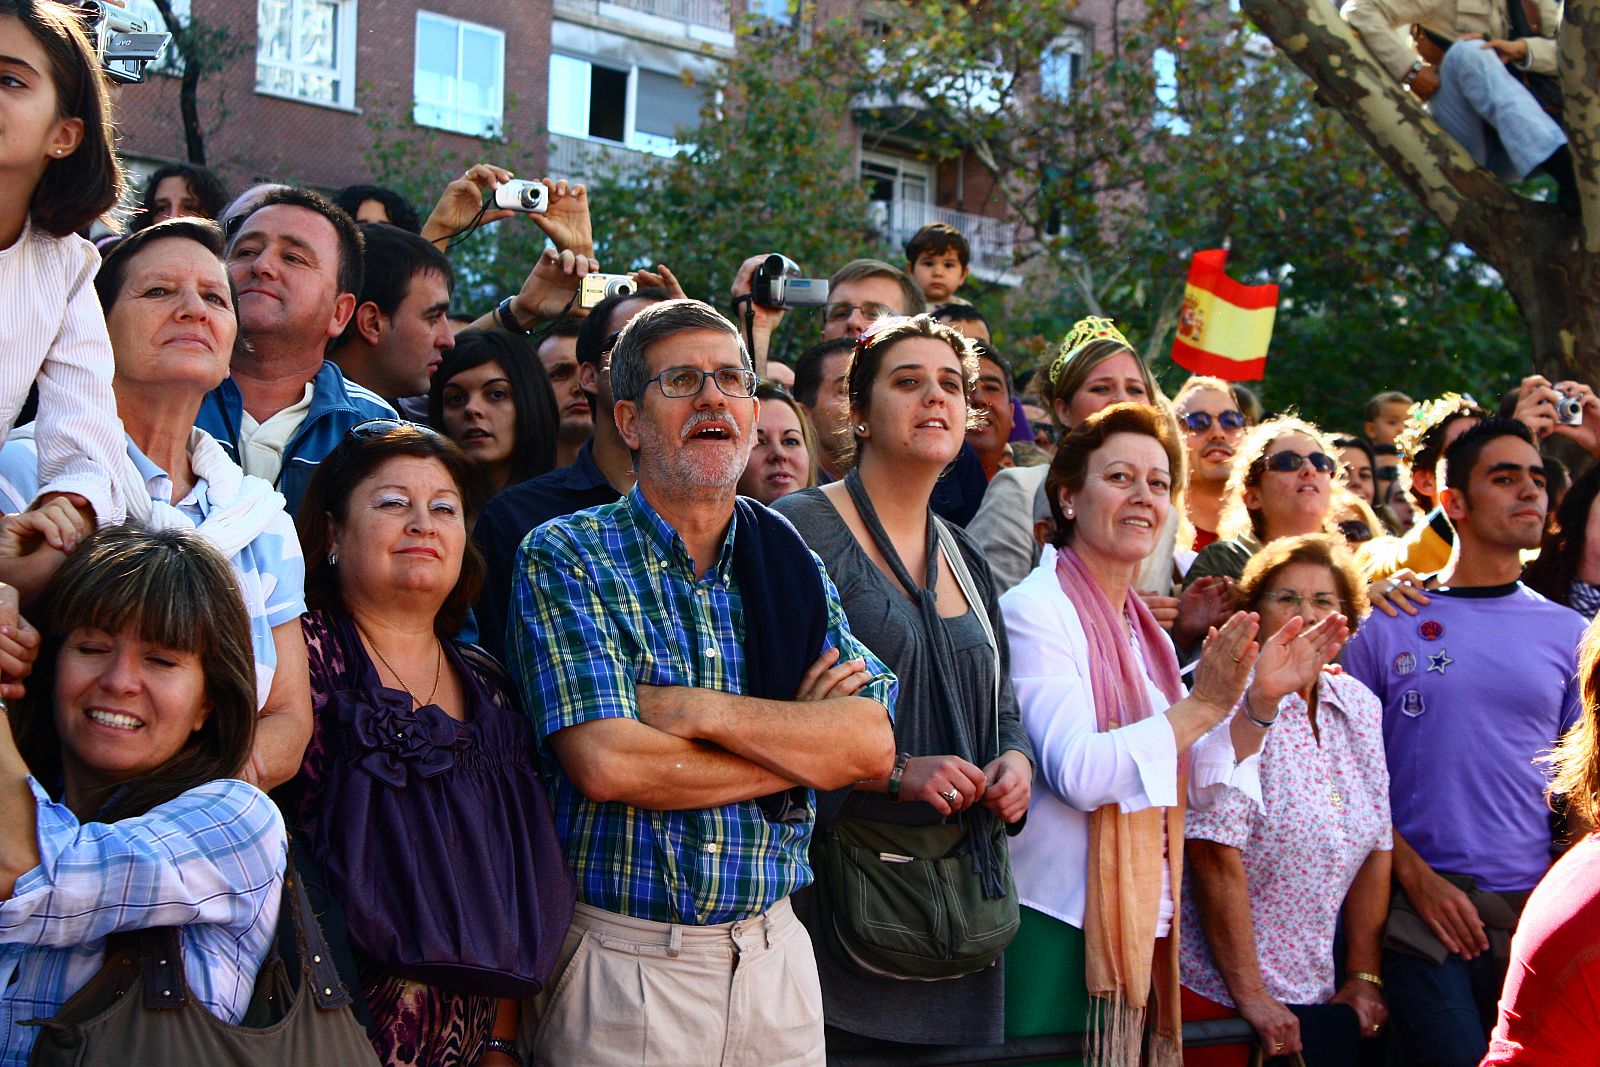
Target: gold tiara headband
1424, 416
1084, 332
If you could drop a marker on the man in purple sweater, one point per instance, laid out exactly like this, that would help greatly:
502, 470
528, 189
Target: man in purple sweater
1475, 686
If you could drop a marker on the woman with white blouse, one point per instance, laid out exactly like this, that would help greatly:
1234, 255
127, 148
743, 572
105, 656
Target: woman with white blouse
1120, 749
1268, 884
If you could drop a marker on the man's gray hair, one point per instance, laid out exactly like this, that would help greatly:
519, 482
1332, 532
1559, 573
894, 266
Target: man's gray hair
630, 366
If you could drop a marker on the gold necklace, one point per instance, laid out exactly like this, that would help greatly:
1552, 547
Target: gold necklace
438, 663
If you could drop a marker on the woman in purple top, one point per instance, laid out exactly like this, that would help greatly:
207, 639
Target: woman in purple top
1267, 884
420, 797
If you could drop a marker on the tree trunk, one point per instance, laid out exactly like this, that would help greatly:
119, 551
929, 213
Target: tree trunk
194, 134
1550, 263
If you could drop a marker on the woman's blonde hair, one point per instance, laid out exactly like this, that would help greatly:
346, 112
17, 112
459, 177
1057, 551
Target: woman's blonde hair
1250, 463
773, 393
1577, 758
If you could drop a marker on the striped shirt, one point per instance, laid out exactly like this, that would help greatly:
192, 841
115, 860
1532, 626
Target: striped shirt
52, 332
608, 599
209, 861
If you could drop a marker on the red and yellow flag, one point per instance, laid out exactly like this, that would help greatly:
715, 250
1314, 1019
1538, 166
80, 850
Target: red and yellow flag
1225, 328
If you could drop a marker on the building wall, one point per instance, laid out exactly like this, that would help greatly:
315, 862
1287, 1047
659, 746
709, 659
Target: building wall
253, 137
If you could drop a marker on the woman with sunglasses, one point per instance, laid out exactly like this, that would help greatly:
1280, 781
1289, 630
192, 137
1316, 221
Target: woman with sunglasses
1284, 483
420, 796
1268, 884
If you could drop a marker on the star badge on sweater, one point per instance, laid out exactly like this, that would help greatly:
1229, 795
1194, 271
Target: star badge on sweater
1438, 661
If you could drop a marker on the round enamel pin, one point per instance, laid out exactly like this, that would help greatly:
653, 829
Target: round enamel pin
1404, 664
1431, 629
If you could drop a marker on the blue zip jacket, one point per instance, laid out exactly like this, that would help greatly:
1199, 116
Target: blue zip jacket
336, 405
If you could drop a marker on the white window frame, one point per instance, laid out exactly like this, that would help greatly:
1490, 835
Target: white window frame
496, 118
1074, 40
633, 138
344, 68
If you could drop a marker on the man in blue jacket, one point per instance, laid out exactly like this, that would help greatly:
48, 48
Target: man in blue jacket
296, 263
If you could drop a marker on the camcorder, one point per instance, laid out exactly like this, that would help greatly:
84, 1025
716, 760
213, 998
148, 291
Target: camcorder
124, 44
596, 287
777, 284
519, 195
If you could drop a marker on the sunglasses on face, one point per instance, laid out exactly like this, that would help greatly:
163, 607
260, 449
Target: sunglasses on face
1386, 474
1200, 421
1293, 461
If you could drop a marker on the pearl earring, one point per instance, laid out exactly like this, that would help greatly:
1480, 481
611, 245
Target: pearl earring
333, 559
861, 427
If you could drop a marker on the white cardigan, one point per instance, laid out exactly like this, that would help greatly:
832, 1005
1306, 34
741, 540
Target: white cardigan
1076, 767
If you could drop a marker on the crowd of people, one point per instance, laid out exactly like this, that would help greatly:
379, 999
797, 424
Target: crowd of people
611, 691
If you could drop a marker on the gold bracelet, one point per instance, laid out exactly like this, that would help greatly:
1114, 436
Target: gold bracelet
1364, 976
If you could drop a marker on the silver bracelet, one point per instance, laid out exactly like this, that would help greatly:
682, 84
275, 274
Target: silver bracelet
1265, 724
502, 1046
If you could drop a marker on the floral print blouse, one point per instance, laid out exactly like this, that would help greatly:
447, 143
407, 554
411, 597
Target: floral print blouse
1325, 810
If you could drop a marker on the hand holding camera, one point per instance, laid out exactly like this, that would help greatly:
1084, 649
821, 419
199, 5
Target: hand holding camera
1568, 408
462, 200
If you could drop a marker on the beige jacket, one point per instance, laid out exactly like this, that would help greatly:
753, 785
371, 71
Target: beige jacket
1385, 26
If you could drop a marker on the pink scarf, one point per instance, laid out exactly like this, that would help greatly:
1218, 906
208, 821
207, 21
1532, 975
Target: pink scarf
1126, 851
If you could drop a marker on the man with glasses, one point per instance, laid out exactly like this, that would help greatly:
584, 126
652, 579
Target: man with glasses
1475, 687
297, 265
694, 681
1208, 413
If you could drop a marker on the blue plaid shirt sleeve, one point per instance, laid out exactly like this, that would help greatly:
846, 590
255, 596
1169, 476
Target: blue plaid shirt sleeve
215, 854
884, 686
563, 644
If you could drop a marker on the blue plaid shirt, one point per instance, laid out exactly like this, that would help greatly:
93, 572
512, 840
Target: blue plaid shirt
608, 599
210, 861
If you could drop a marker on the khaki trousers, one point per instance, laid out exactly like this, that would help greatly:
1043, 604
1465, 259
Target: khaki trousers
634, 993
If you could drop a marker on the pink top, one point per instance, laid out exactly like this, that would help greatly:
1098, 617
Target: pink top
1326, 808
1550, 1009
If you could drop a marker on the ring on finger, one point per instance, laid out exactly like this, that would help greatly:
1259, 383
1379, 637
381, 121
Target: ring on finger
950, 795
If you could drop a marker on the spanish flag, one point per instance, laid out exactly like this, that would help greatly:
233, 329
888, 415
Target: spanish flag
1224, 328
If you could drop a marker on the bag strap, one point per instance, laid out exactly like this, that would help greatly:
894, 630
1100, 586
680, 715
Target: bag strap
166, 987
969, 589
316, 961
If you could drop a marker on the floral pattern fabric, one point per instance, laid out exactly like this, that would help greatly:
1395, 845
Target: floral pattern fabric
1325, 810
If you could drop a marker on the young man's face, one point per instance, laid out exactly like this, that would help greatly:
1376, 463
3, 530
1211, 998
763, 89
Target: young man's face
1505, 501
938, 275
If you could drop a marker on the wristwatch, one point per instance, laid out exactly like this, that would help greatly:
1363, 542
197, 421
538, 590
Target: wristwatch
1411, 75
895, 775
508, 321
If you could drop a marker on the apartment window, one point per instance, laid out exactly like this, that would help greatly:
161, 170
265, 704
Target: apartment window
899, 191
629, 105
1063, 64
306, 50
460, 75
780, 11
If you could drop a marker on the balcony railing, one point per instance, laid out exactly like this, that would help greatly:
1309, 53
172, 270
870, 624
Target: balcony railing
993, 240
712, 14
577, 159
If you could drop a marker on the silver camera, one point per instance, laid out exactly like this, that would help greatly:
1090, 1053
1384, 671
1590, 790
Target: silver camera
1569, 410
596, 287
531, 197
777, 284
123, 44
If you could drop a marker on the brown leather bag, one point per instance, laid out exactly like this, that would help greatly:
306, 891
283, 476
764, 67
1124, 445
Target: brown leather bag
138, 1011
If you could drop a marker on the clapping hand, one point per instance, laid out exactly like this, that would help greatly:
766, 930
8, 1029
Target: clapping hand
1226, 659
1292, 658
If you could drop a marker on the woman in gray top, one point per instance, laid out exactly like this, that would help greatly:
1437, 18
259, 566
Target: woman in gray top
909, 380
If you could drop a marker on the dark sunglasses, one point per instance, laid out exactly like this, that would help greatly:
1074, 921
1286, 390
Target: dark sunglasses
1386, 474
1293, 461
1199, 421
1355, 530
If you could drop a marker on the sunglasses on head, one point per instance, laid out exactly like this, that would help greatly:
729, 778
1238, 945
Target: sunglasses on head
1293, 461
1199, 421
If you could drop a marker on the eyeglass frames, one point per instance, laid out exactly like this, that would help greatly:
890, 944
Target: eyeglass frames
1292, 461
1200, 421
676, 383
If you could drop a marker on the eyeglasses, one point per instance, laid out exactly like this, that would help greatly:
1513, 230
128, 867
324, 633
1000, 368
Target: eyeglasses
1293, 461
679, 382
1387, 474
870, 308
1200, 421
1288, 598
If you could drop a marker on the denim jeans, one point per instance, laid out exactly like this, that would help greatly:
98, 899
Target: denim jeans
1439, 1015
1496, 119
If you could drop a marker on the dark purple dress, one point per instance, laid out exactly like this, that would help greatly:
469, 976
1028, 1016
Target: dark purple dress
435, 836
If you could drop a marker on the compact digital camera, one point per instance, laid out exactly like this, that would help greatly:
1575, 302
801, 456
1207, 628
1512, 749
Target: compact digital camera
124, 45
777, 284
531, 197
1569, 410
596, 287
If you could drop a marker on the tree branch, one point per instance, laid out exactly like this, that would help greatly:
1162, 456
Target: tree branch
1579, 42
